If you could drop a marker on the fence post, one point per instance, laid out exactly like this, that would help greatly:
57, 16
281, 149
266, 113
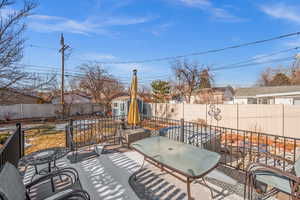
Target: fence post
237, 116
283, 120
181, 137
70, 127
21, 140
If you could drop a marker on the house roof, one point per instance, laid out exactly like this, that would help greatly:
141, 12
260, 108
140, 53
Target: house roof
78, 94
214, 89
9, 91
125, 97
254, 91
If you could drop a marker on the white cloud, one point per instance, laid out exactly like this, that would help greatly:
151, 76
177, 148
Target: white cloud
292, 43
161, 28
97, 56
215, 12
196, 2
282, 11
126, 21
263, 58
46, 17
95, 25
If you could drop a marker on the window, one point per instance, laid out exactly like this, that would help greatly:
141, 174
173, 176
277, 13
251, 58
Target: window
115, 105
115, 112
264, 101
122, 106
251, 101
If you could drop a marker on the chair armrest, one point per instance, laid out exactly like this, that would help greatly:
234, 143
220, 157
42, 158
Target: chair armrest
75, 194
68, 171
263, 167
276, 157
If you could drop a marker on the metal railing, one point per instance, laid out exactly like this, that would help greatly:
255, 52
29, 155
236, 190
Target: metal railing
237, 147
92, 130
13, 148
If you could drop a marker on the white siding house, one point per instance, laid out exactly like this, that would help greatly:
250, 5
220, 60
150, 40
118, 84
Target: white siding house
120, 105
288, 95
71, 98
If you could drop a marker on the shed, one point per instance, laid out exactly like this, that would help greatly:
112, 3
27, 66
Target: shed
120, 105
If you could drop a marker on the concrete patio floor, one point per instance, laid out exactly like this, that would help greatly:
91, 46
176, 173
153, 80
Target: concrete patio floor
109, 177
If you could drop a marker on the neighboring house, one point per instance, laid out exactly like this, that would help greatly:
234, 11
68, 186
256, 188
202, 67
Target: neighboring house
120, 105
289, 95
10, 96
215, 95
175, 99
72, 98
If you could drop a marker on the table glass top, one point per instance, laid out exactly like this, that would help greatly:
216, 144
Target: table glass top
44, 154
189, 160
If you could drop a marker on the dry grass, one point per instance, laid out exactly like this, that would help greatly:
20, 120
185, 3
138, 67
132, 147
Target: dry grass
40, 140
46, 136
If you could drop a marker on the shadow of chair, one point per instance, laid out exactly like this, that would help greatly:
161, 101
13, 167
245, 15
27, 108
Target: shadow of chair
64, 182
83, 149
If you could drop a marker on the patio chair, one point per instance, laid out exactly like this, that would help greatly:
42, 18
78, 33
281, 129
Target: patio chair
261, 176
12, 187
76, 147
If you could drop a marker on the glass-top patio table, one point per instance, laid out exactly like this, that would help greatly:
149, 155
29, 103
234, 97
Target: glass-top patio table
171, 156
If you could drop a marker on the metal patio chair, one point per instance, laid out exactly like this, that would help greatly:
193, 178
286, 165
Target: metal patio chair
270, 180
76, 147
13, 188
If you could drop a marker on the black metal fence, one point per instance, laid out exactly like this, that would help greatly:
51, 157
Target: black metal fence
93, 130
13, 148
237, 147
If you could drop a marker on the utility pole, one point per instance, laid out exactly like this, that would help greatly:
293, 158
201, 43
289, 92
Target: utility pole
62, 51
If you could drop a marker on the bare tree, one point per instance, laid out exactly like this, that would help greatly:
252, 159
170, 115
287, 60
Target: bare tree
190, 76
144, 92
47, 87
296, 76
295, 71
98, 83
276, 76
12, 27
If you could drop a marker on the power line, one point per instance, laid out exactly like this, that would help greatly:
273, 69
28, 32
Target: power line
185, 55
42, 47
214, 69
78, 76
237, 63
264, 56
205, 52
226, 67
252, 64
240, 64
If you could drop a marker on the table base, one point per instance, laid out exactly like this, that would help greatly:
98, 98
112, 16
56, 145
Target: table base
186, 180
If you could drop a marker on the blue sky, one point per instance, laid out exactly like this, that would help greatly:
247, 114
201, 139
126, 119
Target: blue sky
121, 30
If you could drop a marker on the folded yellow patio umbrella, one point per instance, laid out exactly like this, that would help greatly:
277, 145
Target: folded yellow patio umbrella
133, 115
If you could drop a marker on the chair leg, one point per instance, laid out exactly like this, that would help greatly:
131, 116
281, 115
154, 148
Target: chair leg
141, 168
246, 185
